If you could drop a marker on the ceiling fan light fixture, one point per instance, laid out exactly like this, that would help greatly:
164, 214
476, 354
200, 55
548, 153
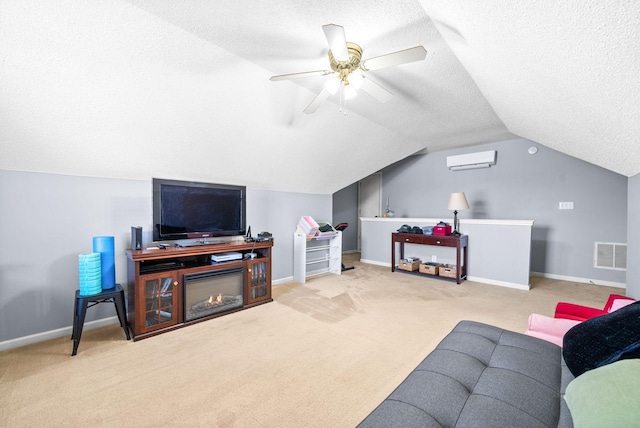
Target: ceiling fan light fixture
349, 65
349, 92
355, 80
349, 68
332, 85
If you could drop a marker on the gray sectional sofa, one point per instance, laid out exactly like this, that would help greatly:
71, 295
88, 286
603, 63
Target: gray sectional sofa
481, 376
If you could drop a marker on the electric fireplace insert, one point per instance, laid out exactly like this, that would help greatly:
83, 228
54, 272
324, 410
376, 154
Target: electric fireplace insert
212, 292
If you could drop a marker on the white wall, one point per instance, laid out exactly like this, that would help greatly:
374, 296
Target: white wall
633, 228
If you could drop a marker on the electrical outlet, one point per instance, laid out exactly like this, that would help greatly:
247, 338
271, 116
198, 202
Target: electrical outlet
434, 259
565, 205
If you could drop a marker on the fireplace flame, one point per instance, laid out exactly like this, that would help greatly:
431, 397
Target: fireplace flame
217, 300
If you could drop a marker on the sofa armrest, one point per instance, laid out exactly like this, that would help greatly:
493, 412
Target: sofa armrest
572, 311
616, 301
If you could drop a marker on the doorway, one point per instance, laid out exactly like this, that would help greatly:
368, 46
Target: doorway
369, 199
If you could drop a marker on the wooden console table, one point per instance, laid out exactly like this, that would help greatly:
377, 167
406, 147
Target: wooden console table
460, 243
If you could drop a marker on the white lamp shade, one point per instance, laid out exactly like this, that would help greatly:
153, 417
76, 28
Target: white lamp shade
458, 201
349, 92
355, 79
332, 85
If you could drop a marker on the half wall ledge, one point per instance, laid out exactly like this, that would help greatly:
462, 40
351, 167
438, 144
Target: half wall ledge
499, 250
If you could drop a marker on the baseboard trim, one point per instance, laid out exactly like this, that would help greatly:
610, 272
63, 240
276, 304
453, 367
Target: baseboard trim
375, 262
54, 334
282, 280
581, 280
470, 278
66, 331
522, 286
525, 287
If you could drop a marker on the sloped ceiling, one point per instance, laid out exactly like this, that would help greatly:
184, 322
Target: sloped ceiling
179, 89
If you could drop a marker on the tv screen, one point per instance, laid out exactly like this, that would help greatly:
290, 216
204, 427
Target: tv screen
191, 210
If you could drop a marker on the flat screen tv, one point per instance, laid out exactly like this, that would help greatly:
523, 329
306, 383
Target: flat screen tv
191, 210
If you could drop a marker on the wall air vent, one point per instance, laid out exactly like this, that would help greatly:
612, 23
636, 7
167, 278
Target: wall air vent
471, 160
610, 255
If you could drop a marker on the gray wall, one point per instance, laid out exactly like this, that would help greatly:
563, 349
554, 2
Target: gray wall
633, 229
520, 187
345, 210
47, 220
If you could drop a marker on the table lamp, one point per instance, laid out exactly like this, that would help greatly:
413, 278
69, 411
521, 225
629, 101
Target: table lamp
457, 201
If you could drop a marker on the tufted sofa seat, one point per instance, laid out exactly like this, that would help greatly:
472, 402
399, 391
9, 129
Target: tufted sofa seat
481, 376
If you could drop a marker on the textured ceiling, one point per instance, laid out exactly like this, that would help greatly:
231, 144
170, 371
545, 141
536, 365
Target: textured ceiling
180, 89
561, 73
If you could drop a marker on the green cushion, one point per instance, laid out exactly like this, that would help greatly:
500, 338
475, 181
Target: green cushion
607, 396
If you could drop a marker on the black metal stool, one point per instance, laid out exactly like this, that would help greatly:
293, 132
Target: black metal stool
115, 295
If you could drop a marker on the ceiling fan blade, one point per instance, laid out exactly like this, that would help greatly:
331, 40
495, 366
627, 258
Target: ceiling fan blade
375, 90
317, 101
417, 53
302, 75
337, 41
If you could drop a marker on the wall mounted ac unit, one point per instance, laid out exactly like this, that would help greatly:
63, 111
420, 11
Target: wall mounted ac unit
472, 160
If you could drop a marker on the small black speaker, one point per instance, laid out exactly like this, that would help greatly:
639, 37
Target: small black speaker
136, 237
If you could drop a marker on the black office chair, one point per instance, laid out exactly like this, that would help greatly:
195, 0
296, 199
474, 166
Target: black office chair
341, 227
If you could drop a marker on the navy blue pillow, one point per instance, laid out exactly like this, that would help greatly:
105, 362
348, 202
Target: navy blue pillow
603, 340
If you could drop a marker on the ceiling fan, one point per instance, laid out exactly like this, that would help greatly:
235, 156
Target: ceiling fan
345, 60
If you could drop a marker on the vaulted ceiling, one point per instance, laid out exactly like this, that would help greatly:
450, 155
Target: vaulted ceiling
180, 89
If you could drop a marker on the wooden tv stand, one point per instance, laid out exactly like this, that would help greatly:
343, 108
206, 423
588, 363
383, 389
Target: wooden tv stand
155, 282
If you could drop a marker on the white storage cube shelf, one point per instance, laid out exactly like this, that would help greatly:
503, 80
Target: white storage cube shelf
315, 256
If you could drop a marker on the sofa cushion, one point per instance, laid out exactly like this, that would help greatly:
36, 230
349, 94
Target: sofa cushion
606, 396
480, 376
603, 340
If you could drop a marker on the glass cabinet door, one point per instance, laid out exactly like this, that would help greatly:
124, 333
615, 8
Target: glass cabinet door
258, 280
160, 297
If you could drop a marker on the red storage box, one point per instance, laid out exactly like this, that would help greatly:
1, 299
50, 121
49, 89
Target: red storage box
442, 230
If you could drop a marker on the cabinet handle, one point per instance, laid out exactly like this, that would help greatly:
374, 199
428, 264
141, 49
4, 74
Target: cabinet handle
249, 269
438, 242
407, 240
175, 283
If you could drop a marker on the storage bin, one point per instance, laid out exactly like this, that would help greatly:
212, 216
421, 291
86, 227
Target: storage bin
430, 268
442, 230
448, 271
327, 234
409, 264
308, 226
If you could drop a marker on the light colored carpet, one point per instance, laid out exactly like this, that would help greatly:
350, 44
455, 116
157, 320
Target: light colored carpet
323, 354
